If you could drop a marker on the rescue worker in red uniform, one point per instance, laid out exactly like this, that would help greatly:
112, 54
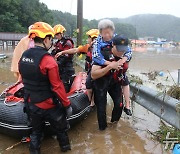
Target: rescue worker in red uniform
65, 62
108, 79
44, 93
86, 49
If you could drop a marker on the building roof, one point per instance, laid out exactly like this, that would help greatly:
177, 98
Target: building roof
11, 36
139, 41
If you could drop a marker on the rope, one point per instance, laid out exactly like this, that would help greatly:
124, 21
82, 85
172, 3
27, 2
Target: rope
8, 88
5, 100
5, 92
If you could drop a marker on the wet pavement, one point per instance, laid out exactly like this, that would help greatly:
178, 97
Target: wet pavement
129, 136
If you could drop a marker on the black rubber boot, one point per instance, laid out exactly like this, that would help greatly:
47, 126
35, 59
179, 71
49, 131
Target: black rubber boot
65, 148
34, 151
34, 146
102, 126
64, 141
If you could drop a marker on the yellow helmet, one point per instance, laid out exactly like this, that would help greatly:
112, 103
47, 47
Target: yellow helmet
93, 33
59, 29
40, 29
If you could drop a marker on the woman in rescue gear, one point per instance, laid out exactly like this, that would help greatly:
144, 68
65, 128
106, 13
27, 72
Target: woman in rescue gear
44, 93
86, 49
65, 62
103, 46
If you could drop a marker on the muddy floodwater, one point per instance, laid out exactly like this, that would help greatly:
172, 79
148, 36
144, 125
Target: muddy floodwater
129, 136
148, 59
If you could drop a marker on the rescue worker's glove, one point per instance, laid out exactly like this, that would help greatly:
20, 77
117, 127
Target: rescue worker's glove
68, 111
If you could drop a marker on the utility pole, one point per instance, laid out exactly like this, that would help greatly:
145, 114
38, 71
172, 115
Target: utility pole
79, 21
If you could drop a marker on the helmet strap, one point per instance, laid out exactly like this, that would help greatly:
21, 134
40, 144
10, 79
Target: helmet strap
46, 47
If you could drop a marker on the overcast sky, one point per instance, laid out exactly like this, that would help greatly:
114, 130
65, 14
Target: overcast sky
97, 9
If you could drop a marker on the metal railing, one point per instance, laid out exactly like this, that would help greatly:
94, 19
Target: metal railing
162, 105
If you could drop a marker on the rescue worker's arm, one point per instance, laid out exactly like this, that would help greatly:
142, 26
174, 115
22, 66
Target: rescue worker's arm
97, 71
57, 85
123, 60
107, 62
69, 51
80, 49
51, 68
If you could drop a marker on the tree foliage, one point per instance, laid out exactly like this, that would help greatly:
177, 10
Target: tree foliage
155, 25
18, 15
126, 30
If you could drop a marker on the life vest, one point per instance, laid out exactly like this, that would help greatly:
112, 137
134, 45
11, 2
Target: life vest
119, 75
67, 59
36, 85
107, 53
60, 44
88, 63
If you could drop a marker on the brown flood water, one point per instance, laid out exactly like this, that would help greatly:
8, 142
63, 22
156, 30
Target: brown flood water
156, 59
129, 136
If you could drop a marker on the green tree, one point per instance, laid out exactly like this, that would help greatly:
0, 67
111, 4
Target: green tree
18, 15
65, 19
126, 29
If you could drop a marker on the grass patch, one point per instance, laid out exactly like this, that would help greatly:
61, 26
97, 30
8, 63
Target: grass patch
135, 79
151, 75
161, 134
174, 91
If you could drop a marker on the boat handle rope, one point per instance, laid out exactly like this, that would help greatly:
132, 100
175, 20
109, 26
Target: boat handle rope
5, 91
11, 104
